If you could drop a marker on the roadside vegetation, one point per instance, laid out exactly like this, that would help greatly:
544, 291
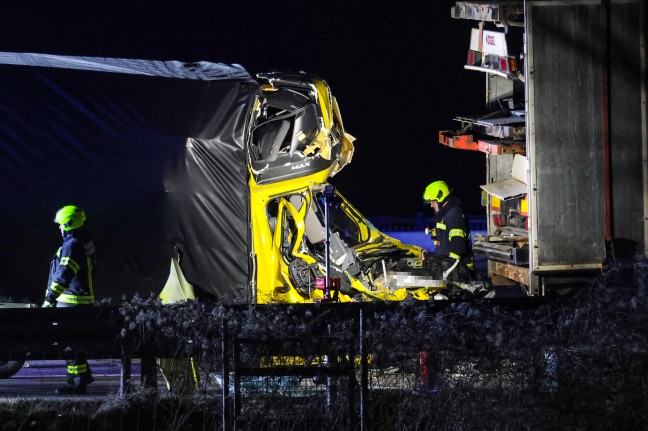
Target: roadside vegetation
577, 361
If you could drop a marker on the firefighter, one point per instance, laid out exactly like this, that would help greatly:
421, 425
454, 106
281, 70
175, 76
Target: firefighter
450, 232
70, 285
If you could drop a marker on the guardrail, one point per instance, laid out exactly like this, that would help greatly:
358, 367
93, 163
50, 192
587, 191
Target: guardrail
545, 352
155, 331
420, 222
57, 333
411, 230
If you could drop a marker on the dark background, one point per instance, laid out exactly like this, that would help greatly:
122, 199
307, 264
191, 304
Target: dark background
396, 70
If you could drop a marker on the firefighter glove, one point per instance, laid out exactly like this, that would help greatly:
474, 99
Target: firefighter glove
47, 304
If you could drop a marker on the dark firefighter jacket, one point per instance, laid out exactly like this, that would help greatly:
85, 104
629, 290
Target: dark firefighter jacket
451, 234
70, 277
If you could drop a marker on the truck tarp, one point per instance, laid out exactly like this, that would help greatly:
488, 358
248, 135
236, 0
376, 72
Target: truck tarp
154, 152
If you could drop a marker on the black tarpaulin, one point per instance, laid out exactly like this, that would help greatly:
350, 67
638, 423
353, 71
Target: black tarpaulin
152, 151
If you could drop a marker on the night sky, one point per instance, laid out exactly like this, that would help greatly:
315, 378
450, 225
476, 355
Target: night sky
396, 70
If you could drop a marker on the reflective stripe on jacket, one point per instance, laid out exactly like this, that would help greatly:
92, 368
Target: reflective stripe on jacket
70, 278
452, 233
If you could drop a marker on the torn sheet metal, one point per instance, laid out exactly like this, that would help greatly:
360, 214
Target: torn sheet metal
498, 125
515, 186
501, 14
297, 130
507, 189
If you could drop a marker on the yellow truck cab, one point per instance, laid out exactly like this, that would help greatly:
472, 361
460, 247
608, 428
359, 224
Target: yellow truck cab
297, 142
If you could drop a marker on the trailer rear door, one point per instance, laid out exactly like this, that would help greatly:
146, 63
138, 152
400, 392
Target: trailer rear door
565, 63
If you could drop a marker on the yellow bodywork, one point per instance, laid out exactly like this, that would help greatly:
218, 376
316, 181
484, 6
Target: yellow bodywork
284, 186
273, 281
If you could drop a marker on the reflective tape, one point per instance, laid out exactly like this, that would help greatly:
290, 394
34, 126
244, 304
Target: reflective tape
441, 226
57, 288
70, 263
75, 299
456, 232
77, 369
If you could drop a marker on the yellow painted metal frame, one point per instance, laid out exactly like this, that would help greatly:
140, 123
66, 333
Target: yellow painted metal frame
271, 277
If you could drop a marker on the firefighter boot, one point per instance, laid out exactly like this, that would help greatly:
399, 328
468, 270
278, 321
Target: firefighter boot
76, 385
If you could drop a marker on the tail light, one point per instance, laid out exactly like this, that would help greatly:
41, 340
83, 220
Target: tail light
512, 66
503, 65
507, 65
474, 58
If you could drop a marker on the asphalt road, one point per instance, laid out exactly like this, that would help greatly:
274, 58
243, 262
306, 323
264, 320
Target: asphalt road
41, 378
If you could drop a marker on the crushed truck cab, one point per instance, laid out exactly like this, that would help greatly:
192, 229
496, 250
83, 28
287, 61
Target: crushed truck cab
296, 142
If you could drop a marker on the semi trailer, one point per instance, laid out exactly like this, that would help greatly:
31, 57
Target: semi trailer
563, 134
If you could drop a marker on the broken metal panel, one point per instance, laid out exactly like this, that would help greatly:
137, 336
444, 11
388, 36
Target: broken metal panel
500, 125
297, 130
315, 231
506, 189
501, 91
499, 167
564, 62
502, 252
505, 13
515, 185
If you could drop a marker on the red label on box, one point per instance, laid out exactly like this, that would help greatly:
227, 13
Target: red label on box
334, 283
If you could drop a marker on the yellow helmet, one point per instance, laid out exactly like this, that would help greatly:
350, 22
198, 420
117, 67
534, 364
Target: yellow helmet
436, 191
70, 217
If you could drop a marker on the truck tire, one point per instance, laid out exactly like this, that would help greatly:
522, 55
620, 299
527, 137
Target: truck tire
9, 368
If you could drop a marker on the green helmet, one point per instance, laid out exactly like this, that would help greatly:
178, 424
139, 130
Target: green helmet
70, 217
436, 191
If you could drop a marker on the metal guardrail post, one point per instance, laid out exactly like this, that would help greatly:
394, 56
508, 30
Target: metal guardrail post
225, 346
125, 377
237, 381
149, 371
353, 418
364, 372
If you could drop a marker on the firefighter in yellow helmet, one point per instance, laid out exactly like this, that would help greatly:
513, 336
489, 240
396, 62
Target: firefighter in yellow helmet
450, 231
70, 285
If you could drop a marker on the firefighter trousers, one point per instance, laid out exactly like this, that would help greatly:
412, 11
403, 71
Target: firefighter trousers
79, 374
